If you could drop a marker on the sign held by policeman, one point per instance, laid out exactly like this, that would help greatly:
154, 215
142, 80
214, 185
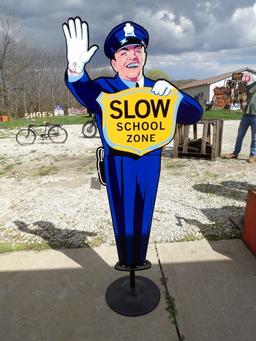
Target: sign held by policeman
136, 117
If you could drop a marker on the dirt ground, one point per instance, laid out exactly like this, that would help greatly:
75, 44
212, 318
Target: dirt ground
48, 194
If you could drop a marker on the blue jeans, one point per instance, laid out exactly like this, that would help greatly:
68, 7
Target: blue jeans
246, 121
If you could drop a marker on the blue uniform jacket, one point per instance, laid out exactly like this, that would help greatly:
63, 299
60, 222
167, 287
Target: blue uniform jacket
131, 180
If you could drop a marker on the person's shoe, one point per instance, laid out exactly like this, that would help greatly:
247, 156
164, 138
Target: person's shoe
252, 158
230, 156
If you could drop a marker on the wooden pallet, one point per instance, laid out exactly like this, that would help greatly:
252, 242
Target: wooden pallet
208, 145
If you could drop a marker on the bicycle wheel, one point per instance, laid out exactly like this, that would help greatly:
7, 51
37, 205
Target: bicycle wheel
25, 137
89, 129
57, 134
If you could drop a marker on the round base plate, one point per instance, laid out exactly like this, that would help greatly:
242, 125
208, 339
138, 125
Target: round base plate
136, 301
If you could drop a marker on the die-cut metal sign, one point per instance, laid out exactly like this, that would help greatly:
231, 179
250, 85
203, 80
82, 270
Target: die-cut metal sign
136, 116
138, 121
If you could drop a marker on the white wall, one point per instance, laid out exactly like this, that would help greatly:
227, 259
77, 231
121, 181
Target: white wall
199, 89
207, 90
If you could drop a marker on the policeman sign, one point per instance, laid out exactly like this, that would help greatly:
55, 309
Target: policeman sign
138, 121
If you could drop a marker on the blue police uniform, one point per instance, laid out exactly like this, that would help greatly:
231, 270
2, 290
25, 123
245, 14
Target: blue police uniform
132, 180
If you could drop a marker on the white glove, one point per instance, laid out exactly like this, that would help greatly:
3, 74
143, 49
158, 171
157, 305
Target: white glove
78, 54
162, 88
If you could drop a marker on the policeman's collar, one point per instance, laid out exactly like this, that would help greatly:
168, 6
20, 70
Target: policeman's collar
130, 84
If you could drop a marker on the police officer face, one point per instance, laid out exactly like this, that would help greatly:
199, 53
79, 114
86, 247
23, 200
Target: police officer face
128, 62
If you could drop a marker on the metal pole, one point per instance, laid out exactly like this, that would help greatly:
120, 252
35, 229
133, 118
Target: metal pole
132, 279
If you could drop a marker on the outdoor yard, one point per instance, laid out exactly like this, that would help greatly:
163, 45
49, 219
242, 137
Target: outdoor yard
47, 199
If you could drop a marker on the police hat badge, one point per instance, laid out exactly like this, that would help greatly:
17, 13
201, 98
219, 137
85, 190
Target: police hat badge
127, 33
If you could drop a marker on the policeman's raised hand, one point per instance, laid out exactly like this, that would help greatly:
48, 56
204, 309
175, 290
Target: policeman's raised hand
162, 88
77, 40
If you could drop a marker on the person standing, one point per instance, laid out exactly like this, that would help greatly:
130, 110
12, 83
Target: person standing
248, 120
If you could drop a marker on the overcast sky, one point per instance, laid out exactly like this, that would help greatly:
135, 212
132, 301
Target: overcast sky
188, 38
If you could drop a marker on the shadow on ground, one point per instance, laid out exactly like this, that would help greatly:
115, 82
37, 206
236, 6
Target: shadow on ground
218, 228
213, 285
220, 225
55, 237
59, 295
229, 189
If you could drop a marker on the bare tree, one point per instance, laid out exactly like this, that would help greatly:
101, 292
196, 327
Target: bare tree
15, 58
31, 79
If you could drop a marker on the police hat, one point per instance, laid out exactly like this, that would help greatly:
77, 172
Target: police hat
127, 33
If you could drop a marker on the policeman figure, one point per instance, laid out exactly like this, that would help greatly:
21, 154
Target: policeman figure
131, 180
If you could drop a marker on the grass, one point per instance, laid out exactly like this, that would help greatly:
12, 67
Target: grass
95, 242
64, 120
169, 300
207, 174
189, 238
175, 164
7, 169
46, 170
6, 247
3, 158
223, 114
11, 247
80, 119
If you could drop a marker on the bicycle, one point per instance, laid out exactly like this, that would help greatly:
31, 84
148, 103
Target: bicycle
89, 128
55, 132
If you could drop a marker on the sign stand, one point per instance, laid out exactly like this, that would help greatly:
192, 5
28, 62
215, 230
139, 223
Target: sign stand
135, 121
133, 295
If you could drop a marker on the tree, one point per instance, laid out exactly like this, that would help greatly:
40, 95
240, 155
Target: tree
156, 74
14, 60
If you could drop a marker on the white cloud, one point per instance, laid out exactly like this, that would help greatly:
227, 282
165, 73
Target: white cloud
201, 37
202, 64
166, 30
208, 6
179, 34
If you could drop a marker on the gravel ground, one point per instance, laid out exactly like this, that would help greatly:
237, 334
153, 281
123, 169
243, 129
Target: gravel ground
46, 197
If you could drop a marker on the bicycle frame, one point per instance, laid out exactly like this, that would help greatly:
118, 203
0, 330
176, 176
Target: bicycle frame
43, 135
92, 119
55, 132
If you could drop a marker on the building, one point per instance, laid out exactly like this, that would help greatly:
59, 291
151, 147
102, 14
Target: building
203, 89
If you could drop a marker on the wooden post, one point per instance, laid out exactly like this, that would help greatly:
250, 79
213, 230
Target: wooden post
176, 143
204, 137
186, 137
215, 141
195, 131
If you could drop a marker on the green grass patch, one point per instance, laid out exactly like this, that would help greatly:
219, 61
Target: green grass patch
10, 247
3, 158
6, 169
209, 175
189, 238
46, 170
6, 247
95, 242
223, 114
175, 164
64, 120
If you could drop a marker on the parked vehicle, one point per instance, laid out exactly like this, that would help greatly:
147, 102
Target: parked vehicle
89, 128
55, 132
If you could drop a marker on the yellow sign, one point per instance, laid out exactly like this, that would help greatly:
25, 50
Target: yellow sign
138, 121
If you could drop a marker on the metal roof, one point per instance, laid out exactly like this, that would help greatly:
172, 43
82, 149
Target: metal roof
211, 80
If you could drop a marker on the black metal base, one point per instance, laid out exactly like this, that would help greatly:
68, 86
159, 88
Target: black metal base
146, 265
130, 298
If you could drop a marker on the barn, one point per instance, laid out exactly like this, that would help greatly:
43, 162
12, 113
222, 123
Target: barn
203, 89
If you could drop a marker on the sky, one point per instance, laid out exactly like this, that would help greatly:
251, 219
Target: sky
187, 38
